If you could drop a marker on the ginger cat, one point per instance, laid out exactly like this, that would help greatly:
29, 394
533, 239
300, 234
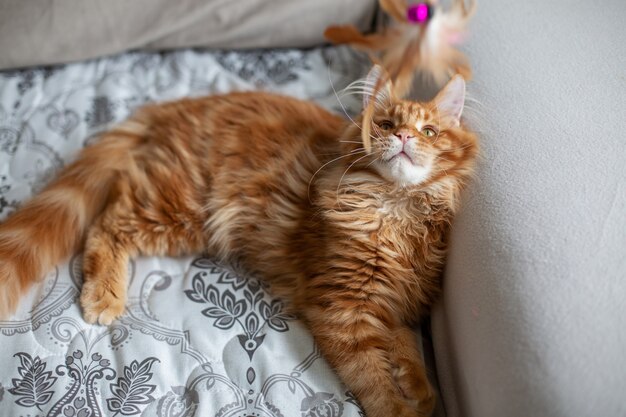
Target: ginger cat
354, 241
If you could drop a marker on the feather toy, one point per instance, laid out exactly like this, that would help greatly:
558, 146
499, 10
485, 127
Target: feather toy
422, 39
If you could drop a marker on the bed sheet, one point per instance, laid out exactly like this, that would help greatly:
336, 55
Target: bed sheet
197, 339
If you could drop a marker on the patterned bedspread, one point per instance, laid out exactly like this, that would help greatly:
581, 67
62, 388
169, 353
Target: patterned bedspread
196, 339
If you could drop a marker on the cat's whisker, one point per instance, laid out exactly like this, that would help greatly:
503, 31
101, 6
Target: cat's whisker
377, 159
344, 174
364, 87
354, 90
332, 85
322, 167
328, 153
474, 112
378, 133
458, 149
353, 93
357, 150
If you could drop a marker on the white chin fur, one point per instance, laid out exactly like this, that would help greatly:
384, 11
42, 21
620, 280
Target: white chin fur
403, 171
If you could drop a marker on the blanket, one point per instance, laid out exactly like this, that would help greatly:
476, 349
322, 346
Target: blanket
197, 339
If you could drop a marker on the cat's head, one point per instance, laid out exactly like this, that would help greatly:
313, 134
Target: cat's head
416, 143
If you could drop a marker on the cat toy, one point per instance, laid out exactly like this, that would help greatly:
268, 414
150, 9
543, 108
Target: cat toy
422, 39
419, 13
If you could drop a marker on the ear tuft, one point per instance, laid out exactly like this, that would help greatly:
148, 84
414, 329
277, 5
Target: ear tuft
451, 99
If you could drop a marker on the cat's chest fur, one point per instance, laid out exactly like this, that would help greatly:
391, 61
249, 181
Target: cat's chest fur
407, 225
401, 237
410, 246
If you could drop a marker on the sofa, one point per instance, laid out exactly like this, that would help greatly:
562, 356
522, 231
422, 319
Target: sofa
531, 318
534, 295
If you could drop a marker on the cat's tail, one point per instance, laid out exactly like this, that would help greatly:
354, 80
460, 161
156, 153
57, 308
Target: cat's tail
52, 225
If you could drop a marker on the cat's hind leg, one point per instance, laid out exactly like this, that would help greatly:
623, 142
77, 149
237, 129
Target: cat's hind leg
125, 230
357, 344
105, 264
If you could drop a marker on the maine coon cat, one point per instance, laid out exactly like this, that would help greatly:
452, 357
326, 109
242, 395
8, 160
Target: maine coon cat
353, 240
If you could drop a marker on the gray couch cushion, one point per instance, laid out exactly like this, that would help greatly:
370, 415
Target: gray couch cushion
532, 321
34, 33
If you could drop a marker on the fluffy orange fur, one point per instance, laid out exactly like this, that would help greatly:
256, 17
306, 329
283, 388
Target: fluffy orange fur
354, 240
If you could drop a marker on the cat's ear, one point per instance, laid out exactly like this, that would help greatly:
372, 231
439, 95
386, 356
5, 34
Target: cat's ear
377, 87
451, 99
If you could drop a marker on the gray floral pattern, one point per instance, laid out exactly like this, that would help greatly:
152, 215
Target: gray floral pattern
179, 402
32, 388
101, 112
198, 339
132, 388
251, 313
263, 67
321, 404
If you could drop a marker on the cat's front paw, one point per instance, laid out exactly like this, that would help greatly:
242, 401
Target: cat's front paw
415, 388
100, 304
426, 405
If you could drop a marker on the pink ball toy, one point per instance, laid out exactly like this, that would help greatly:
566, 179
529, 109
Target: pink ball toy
419, 13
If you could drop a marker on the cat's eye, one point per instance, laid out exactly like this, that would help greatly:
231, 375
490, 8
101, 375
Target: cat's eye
429, 132
386, 125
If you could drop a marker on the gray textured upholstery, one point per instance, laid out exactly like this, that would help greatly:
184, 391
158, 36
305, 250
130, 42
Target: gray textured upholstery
533, 318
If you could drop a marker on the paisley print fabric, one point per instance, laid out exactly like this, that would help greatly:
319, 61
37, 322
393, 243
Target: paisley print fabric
197, 338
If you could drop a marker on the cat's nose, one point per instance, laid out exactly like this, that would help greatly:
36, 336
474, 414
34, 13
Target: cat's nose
404, 135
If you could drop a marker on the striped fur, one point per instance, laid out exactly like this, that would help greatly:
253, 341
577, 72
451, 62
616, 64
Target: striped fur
263, 181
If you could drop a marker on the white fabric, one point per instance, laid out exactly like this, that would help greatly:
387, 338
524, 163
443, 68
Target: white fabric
532, 318
196, 340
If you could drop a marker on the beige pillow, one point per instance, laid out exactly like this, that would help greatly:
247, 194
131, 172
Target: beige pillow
33, 32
